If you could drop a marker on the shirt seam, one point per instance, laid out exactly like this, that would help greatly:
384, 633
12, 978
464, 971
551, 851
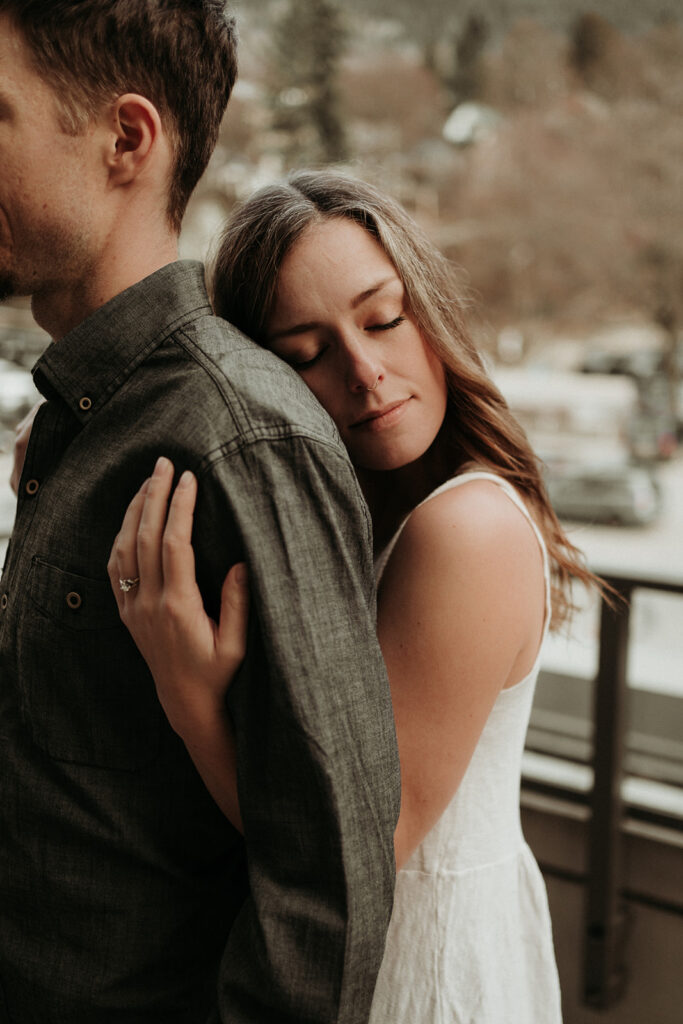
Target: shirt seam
281, 432
218, 377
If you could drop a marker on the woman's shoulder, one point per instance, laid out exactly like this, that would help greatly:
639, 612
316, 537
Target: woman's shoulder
468, 571
470, 508
473, 524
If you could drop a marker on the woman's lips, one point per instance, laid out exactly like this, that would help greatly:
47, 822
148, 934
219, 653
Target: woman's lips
380, 419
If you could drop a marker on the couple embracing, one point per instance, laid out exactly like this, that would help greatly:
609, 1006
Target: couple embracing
217, 749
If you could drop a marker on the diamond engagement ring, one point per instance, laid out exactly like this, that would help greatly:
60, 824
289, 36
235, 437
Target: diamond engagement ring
129, 584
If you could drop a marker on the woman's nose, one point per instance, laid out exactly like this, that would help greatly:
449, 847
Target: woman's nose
363, 372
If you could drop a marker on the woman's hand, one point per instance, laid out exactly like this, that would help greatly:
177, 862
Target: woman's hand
192, 659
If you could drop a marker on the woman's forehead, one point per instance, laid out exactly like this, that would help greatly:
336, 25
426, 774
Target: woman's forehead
335, 255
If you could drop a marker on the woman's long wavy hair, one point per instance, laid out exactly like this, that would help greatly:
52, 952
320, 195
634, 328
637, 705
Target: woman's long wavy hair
479, 424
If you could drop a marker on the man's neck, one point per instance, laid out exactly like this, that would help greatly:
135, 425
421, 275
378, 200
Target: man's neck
61, 309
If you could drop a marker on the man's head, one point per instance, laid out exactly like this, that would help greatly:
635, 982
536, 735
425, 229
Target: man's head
178, 54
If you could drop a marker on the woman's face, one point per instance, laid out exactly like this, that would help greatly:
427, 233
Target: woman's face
340, 320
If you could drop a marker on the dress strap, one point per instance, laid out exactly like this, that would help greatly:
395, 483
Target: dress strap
513, 495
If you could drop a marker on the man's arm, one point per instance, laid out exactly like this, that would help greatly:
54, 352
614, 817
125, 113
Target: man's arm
317, 762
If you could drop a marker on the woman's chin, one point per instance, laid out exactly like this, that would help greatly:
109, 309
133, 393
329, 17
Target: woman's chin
387, 460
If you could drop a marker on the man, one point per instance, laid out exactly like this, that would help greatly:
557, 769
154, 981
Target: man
123, 890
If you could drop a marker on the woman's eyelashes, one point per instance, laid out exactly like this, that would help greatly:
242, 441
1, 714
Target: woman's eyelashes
301, 363
303, 360
396, 322
299, 358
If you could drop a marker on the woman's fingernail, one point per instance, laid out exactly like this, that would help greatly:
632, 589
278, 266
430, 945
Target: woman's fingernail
161, 465
240, 575
186, 479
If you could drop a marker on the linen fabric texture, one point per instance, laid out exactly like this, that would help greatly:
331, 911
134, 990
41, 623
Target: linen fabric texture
125, 895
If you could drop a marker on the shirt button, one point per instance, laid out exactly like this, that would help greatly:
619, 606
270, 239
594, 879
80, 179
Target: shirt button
74, 600
3, 602
32, 487
85, 404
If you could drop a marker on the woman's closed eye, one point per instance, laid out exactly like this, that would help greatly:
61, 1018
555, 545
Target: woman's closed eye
302, 362
396, 322
307, 356
303, 357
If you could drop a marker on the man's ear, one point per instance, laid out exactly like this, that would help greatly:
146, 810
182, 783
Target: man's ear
137, 137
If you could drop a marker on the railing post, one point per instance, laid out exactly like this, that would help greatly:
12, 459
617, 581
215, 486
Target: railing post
604, 972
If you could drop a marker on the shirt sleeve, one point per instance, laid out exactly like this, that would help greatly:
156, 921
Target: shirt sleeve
317, 761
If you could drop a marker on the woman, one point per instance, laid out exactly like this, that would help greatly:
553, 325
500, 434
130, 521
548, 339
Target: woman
471, 566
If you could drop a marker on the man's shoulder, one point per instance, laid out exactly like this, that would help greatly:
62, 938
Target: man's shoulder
262, 396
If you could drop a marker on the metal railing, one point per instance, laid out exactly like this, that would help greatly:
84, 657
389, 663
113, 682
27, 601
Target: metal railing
606, 918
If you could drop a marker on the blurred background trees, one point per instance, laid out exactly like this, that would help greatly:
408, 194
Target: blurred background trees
308, 41
563, 200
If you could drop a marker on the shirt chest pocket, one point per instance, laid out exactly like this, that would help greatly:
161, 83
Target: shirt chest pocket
88, 695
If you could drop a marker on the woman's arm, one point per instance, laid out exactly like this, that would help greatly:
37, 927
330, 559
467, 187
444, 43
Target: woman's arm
191, 658
460, 616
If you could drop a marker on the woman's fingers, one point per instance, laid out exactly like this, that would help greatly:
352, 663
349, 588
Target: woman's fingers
232, 629
123, 562
168, 621
177, 553
151, 526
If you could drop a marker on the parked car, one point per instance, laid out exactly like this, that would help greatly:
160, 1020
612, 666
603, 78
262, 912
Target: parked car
660, 418
622, 494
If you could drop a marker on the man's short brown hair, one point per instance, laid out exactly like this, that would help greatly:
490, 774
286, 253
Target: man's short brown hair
179, 54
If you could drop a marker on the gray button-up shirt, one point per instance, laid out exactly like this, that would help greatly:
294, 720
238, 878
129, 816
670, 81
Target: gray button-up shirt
124, 894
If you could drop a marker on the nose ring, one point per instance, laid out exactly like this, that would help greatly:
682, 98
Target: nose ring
373, 386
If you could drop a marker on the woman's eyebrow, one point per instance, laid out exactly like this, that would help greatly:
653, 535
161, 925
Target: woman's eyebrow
358, 300
288, 332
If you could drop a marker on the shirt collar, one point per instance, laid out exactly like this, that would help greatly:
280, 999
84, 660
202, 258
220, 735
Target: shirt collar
92, 361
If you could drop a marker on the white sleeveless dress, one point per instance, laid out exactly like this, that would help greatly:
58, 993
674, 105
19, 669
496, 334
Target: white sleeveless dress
470, 938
